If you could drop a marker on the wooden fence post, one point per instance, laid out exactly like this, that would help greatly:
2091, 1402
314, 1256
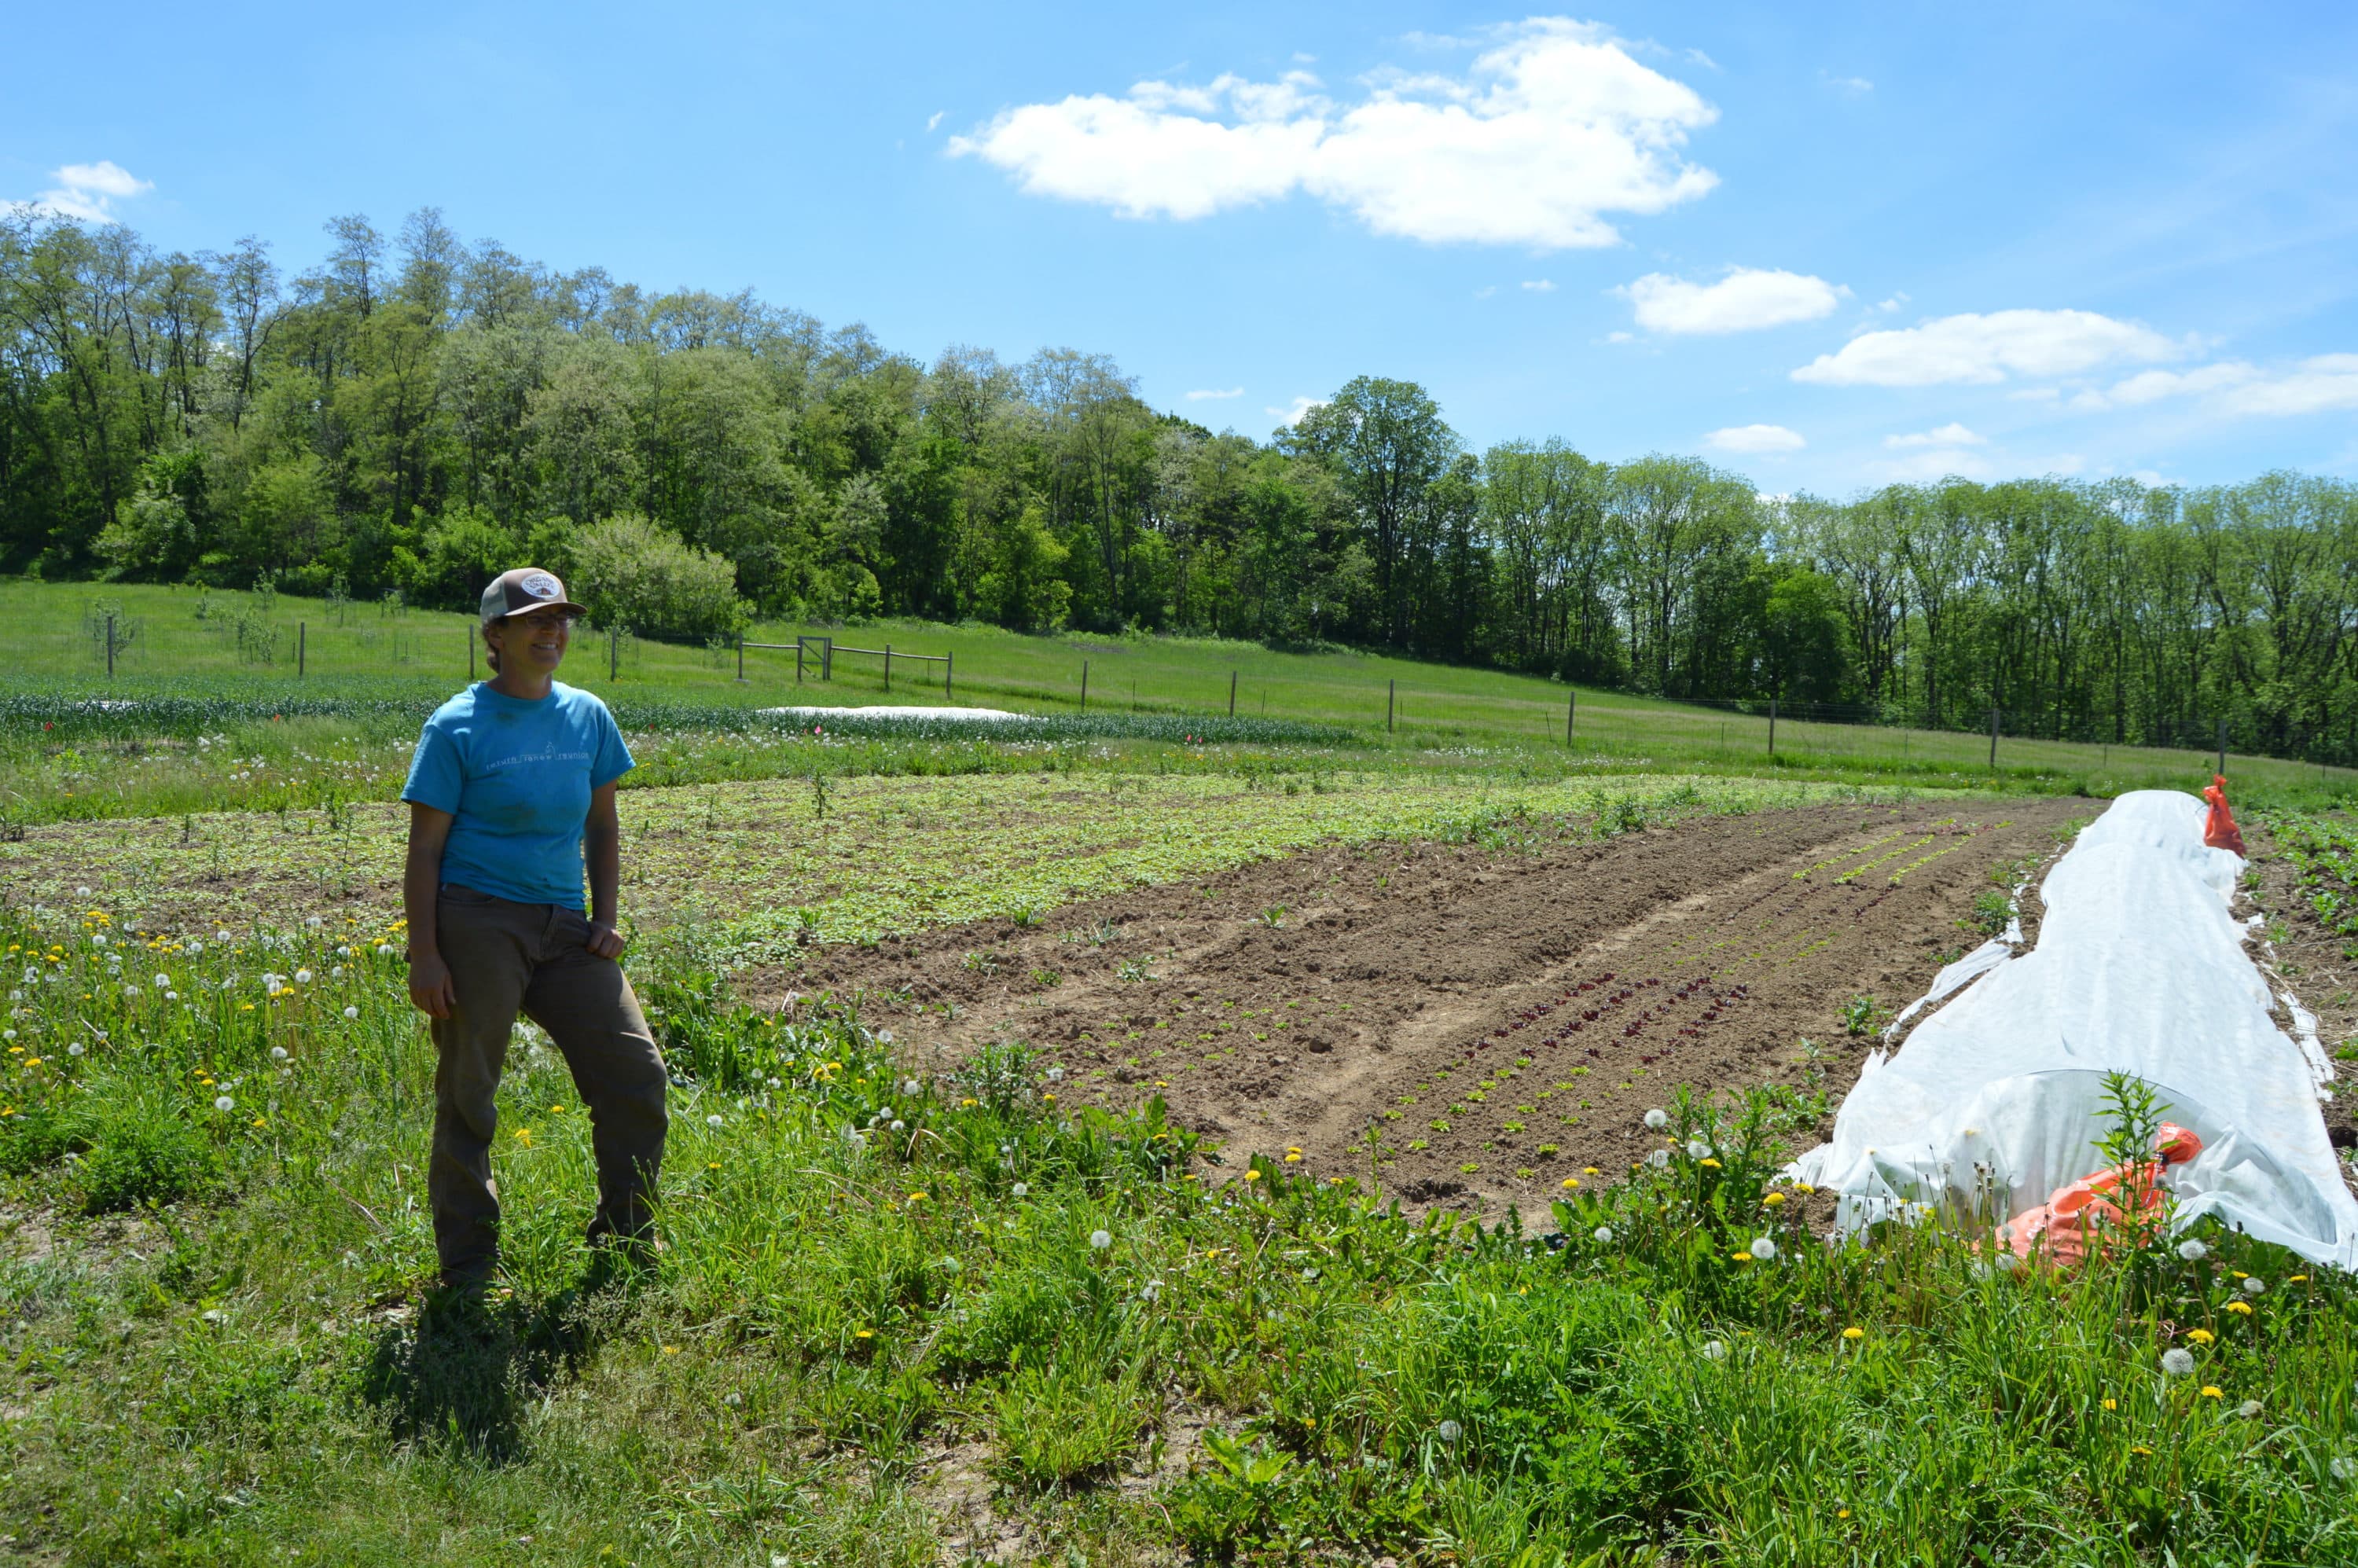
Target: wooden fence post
1993, 737
301, 628
1772, 726
1232, 694
740, 658
948, 668
1085, 685
109, 644
1571, 702
888, 666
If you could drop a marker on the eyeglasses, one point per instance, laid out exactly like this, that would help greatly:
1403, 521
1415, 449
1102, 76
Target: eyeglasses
547, 621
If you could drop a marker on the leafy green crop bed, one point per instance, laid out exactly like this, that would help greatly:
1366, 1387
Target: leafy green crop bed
760, 868
900, 1319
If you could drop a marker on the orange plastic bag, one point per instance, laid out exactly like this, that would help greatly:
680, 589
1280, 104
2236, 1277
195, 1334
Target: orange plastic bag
2219, 831
2062, 1224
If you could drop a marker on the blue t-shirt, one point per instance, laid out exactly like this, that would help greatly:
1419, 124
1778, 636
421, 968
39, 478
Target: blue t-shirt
516, 776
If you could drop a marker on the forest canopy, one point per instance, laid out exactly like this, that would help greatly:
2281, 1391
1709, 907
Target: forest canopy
415, 413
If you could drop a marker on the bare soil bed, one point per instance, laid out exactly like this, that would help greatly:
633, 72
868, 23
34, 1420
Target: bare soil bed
2314, 962
1496, 1020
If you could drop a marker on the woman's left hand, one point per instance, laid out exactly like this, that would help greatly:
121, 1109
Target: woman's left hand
605, 941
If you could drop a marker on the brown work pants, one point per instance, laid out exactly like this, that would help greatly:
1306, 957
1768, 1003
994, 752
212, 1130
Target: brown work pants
506, 958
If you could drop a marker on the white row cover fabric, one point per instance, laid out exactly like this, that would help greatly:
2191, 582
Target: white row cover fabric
1996, 1099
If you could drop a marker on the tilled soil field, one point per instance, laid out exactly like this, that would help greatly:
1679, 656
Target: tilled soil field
1494, 1021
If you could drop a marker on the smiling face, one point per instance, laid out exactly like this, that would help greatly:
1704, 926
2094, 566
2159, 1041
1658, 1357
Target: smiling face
531, 644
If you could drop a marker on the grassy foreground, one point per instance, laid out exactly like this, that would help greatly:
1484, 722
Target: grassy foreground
244, 646
915, 1321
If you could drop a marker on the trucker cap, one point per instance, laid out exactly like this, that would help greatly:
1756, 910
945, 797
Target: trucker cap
524, 590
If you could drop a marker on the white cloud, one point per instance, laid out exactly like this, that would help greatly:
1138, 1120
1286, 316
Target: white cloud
1199, 396
1292, 416
86, 191
1982, 348
2233, 388
1620, 337
1937, 463
1754, 438
1540, 285
2034, 395
1892, 304
1487, 291
1950, 434
1552, 127
935, 118
2324, 382
1849, 86
1745, 300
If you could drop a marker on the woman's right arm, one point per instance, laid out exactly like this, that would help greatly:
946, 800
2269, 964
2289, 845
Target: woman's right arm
421, 884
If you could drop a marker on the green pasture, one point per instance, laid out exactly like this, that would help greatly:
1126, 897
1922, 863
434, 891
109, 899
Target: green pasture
55, 640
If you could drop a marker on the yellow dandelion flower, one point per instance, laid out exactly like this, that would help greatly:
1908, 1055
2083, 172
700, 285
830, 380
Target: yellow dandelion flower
1571, 1181
2295, 1279
524, 1135
1590, 1171
1293, 1159
1772, 1199
863, 1334
2201, 1335
2241, 1309
1252, 1176
2211, 1391
712, 1165
1854, 1333
1048, 1098
1707, 1160
1842, 1513
1739, 1257
967, 1103
2112, 1404
2141, 1448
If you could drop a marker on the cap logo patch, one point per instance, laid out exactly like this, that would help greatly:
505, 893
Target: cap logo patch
540, 585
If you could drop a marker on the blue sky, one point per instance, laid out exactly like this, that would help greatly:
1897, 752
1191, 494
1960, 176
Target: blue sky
1827, 245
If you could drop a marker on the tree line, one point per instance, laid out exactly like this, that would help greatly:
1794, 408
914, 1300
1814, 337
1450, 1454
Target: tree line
415, 413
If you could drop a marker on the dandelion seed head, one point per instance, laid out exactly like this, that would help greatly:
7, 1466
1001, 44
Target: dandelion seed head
1657, 1118
2177, 1363
2193, 1252
163, 982
1714, 1350
351, 1012
1021, 1189
1449, 1432
2254, 1286
302, 977
1099, 1240
908, 1086
1763, 1248
900, 1127
278, 1053
224, 1105
715, 1119
1658, 1159
2249, 1410
75, 1049
1697, 1149
2345, 1468
1604, 1234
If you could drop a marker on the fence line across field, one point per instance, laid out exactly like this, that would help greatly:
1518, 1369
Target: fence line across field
1817, 725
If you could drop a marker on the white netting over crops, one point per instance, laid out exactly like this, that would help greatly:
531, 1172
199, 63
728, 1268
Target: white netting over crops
2139, 969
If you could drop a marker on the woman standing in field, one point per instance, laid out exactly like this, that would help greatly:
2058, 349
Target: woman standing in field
510, 792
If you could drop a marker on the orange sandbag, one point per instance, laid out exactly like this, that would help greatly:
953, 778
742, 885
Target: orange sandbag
2219, 830
2062, 1224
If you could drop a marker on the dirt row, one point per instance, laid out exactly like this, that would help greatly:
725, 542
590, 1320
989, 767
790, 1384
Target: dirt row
1495, 1020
